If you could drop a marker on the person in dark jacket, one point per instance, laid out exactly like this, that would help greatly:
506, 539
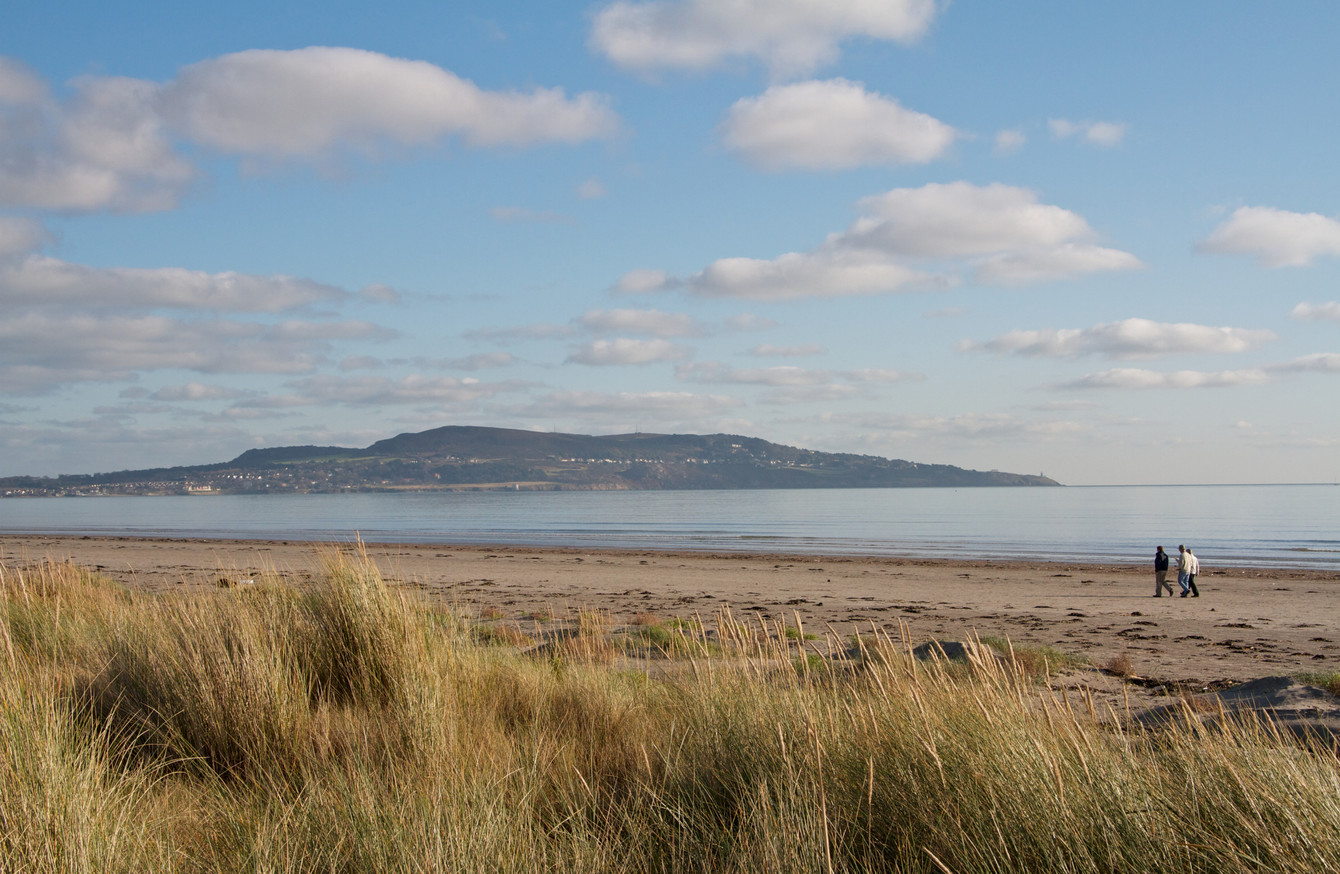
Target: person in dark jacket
1161, 574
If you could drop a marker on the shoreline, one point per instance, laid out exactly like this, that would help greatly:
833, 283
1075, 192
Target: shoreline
1250, 622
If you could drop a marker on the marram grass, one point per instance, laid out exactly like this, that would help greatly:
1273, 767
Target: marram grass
345, 727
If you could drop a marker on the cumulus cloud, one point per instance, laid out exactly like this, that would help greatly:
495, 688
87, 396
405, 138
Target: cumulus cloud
959, 219
1277, 237
1131, 378
1058, 262
796, 275
624, 350
308, 101
1315, 311
831, 125
39, 280
104, 148
113, 144
789, 36
1098, 133
1129, 338
1000, 233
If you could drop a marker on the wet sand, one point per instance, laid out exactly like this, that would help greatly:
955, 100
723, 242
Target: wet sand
1247, 623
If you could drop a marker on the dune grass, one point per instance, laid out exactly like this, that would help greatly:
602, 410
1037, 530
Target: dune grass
346, 727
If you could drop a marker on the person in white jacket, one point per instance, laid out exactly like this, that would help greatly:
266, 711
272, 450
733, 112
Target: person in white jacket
1193, 568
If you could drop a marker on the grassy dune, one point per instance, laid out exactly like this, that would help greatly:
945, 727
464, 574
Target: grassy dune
346, 727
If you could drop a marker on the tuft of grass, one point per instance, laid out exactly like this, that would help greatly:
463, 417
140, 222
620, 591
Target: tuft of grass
1034, 661
1328, 680
1120, 665
503, 635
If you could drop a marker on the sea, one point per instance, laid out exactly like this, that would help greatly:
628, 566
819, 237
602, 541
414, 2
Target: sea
1295, 526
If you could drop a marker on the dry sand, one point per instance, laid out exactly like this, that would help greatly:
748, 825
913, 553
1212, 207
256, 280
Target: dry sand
1246, 624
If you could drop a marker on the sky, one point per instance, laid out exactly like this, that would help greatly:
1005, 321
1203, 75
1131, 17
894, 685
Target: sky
1095, 241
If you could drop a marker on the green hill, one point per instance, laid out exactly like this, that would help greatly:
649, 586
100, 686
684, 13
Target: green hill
464, 457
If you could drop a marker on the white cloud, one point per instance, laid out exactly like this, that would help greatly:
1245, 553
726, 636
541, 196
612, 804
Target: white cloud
1098, 133
831, 125
478, 361
105, 148
1059, 262
20, 236
1277, 237
1320, 362
1316, 311
999, 231
959, 219
789, 36
797, 275
19, 86
111, 146
1009, 141
643, 281
39, 350
196, 391
1129, 338
1130, 378
39, 280
652, 323
308, 101
623, 351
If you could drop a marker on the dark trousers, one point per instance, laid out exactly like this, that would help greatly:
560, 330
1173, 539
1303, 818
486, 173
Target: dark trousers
1191, 583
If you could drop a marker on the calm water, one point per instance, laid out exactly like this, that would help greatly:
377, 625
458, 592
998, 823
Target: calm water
1238, 525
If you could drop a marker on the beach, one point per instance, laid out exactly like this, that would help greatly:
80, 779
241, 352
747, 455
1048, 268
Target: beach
1248, 623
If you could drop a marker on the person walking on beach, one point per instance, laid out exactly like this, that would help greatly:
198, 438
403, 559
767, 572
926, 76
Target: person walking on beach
1183, 567
1191, 571
1161, 574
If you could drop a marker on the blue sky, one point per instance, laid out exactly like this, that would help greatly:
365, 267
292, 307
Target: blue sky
1099, 241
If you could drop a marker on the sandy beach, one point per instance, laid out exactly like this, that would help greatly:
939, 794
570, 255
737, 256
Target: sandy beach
1248, 623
